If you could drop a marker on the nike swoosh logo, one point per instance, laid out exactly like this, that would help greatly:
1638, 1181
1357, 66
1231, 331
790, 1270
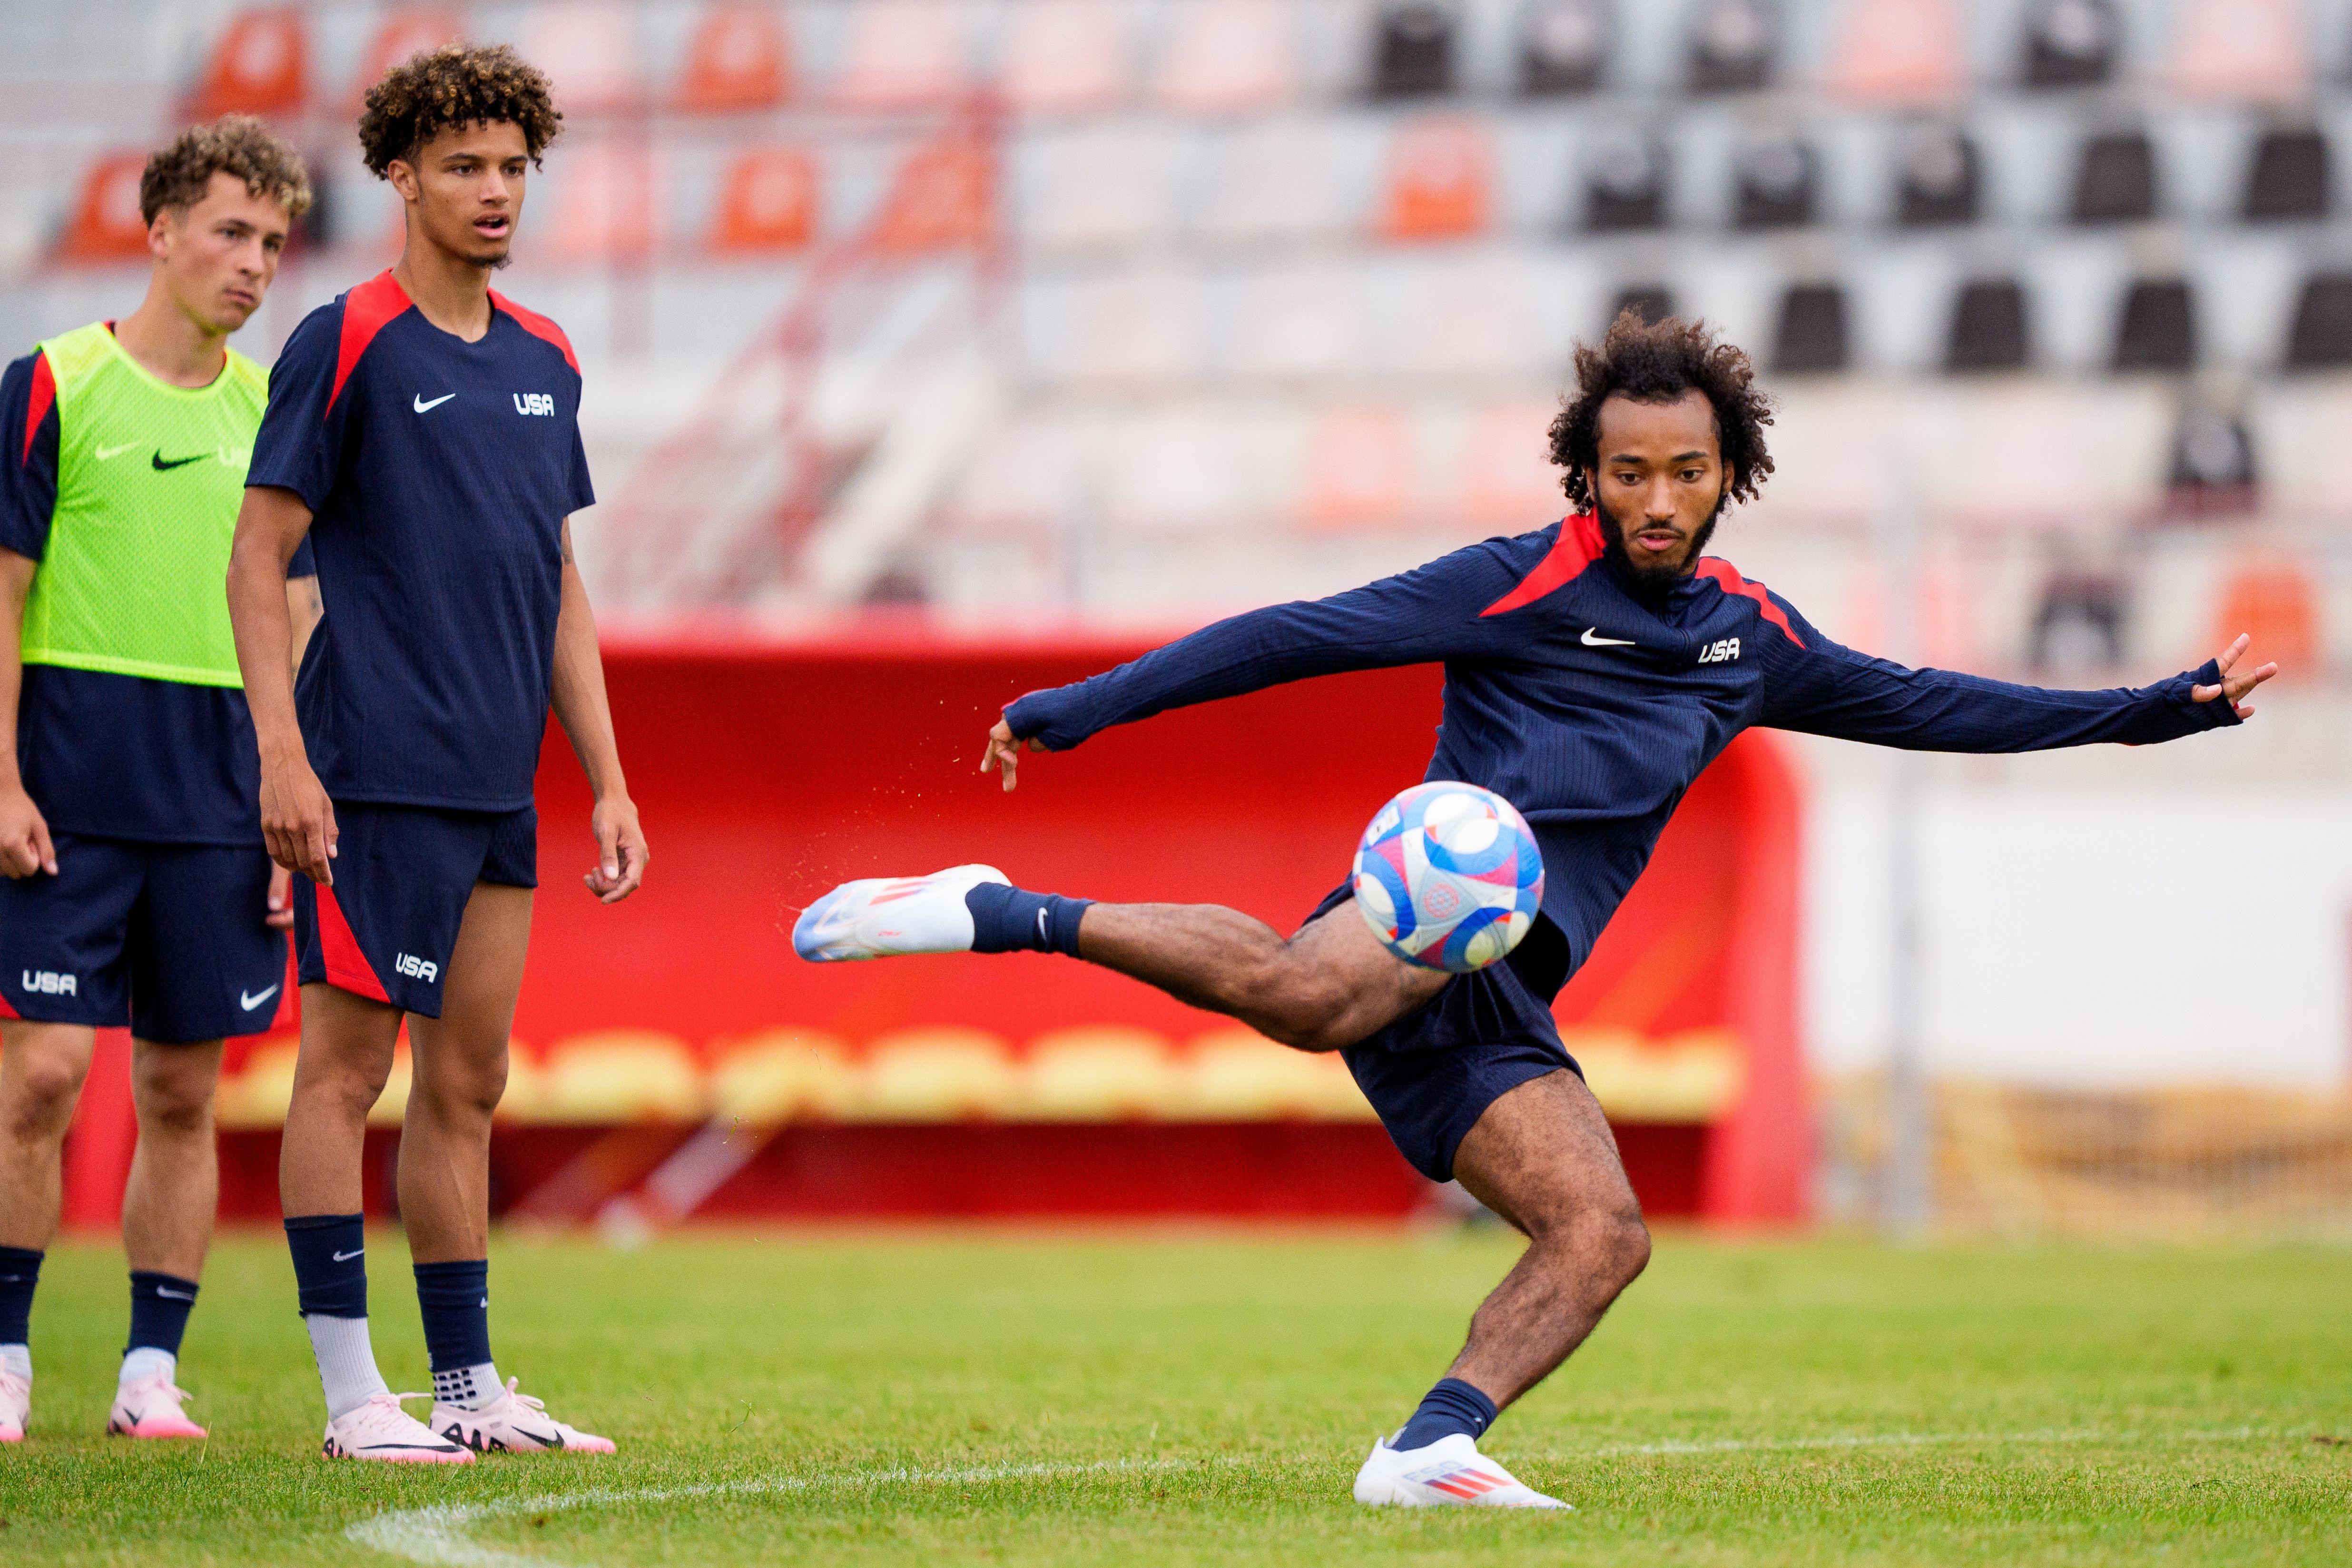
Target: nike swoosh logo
1592, 641
418, 403
347, 1256
107, 454
175, 1295
164, 467
249, 1001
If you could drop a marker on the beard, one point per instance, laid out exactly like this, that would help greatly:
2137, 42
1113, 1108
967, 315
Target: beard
1654, 574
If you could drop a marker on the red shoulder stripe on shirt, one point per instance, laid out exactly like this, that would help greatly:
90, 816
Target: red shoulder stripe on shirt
538, 326
1578, 546
367, 310
45, 397
1725, 576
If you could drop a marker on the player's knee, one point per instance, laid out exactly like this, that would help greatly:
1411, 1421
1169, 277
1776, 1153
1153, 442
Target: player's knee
1300, 1005
43, 1103
461, 1093
1618, 1243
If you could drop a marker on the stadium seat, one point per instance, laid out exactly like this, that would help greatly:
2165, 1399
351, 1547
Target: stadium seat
590, 51
1564, 46
396, 37
785, 1075
1299, 320
1106, 1073
1507, 480
1361, 470
2116, 180
1989, 331
2072, 43
943, 197
604, 207
2212, 472
1469, 315
2256, 52
1065, 56
1653, 303
1137, 328
1732, 44
1777, 183
106, 225
2290, 179
1234, 1075
902, 54
260, 65
1098, 187
1226, 57
940, 1074
258, 1096
2320, 338
1900, 51
2158, 327
2279, 607
1939, 177
621, 1076
1809, 337
1173, 471
766, 203
1413, 48
1626, 182
738, 61
1440, 180
1279, 181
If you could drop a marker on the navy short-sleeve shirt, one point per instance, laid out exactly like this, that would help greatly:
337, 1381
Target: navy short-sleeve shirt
438, 474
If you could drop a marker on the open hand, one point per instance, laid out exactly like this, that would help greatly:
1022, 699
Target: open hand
621, 852
282, 899
25, 845
2234, 687
1003, 753
298, 820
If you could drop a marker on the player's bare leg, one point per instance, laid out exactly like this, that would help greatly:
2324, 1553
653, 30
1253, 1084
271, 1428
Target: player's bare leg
174, 1187
42, 1067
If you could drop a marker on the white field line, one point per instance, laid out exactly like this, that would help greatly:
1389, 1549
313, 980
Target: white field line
438, 1535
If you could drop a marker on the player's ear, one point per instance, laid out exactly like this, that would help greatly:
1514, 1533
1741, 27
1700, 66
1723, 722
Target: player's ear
161, 232
402, 177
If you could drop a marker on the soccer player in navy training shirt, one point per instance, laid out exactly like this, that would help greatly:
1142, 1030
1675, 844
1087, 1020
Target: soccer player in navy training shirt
1592, 669
423, 433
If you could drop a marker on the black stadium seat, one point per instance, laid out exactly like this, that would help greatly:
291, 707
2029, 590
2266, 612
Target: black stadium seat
1564, 46
2290, 177
1778, 181
1810, 336
1939, 178
1988, 327
1654, 302
1414, 56
2157, 328
1732, 43
2072, 43
1626, 182
2116, 180
2321, 337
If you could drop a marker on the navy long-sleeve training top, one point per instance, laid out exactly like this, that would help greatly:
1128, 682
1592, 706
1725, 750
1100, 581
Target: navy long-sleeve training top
1592, 703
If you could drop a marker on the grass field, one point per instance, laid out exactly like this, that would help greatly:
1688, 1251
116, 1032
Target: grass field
1168, 1397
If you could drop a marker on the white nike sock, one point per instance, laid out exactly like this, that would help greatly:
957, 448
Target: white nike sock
17, 1359
467, 1387
346, 1362
145, 1362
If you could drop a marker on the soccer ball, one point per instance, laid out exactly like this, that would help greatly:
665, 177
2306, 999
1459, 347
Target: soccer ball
1448, 877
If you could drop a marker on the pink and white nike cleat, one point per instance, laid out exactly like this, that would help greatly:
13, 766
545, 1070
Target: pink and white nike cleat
380, 1429
513, 1424
888, 917
1450, 1472
150, 1407
15, 1405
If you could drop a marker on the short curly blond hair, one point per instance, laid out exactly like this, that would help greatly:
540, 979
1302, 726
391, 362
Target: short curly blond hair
455, 85
238, 145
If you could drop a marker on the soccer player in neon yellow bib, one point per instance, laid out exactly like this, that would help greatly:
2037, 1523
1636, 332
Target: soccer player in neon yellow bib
138, 891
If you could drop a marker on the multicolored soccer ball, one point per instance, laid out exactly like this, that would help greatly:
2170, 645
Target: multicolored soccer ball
1448, 877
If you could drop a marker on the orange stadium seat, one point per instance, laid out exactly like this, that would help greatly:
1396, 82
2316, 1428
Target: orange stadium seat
766, 203
2240, 50
1440, 179
604, 204
944, 196
739, 62
2278, 605
1227, 56
902, 54
1360, 470
1063, 57
106, 226
591, 52
260, 66
399, 36
1900, 51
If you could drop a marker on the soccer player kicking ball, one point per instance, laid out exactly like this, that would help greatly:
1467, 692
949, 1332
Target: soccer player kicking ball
1592, 669
423, 433
138, 891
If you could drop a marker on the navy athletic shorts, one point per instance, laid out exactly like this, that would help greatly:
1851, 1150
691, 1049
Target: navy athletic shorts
403, 874
1433, 1073
170, 939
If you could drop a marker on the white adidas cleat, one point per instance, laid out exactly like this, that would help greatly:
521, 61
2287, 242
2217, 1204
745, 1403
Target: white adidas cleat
15, 1405
888, 917
382, 1430
1448, 1473
513, 1424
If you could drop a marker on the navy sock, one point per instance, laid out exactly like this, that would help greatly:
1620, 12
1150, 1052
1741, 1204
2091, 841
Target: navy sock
1014, 919
20, 1270
455, 1299
1452, 1406
160, 1305
330, 1263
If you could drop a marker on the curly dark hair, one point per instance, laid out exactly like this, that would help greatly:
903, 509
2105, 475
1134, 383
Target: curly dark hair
238, 145
1658, 363
455, 85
